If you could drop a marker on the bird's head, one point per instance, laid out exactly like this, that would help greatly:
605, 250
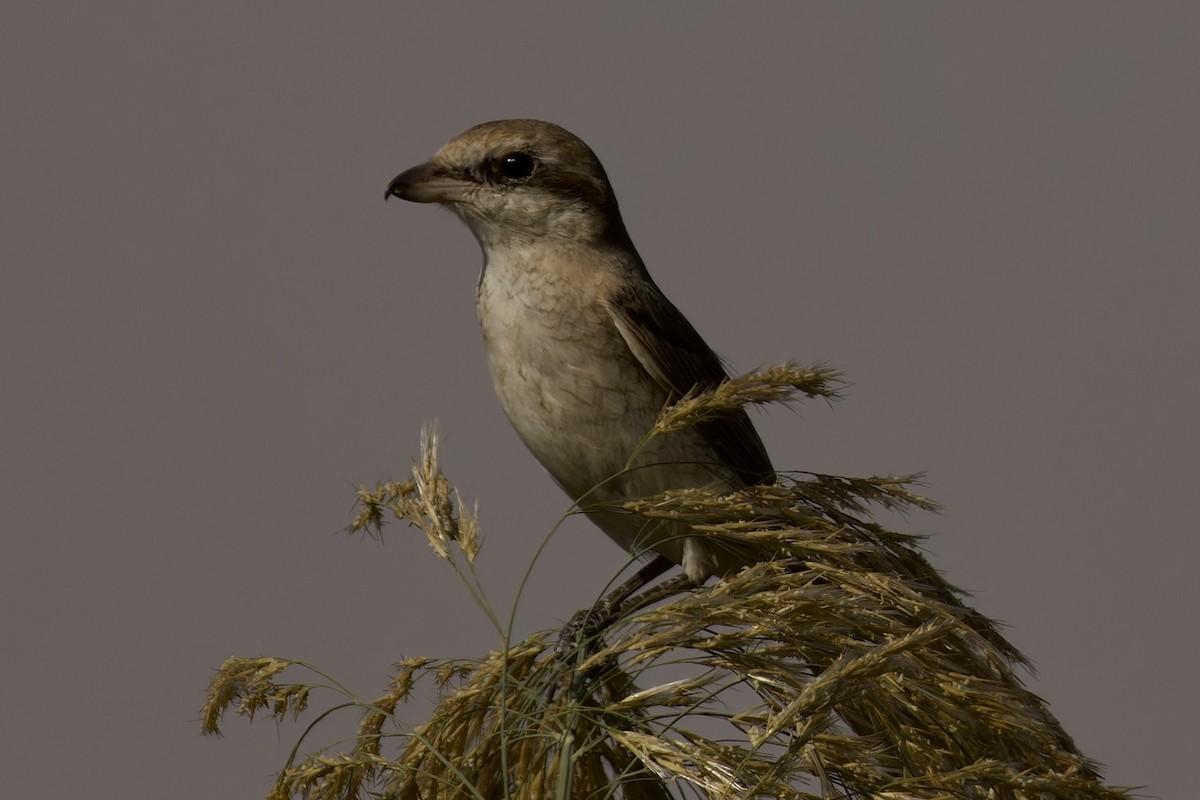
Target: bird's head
518, 179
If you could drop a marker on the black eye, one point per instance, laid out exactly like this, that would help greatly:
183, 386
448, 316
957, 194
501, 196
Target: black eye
516, 166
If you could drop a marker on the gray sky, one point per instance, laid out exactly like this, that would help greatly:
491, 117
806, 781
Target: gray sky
213, 328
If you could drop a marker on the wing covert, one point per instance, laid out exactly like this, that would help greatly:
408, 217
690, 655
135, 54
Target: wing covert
671, 350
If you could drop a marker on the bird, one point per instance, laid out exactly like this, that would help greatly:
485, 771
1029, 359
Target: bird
583, 348
585, 351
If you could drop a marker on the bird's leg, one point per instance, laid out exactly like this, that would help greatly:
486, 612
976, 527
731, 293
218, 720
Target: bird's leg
652, 595
588, 622
580, 637
648, 572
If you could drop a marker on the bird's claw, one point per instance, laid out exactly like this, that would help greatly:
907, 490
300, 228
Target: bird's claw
584, 630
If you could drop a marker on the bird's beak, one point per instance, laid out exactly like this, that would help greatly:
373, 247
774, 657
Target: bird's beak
429, 183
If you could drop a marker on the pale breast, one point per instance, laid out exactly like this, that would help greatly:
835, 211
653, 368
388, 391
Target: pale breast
568, 383
583, 403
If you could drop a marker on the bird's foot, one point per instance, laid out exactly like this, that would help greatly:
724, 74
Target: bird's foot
588, 624
585, 629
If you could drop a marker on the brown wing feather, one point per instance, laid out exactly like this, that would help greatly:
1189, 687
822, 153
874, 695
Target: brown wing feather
675, 354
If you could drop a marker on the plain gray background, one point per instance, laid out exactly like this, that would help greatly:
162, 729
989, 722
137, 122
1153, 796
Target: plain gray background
213, 328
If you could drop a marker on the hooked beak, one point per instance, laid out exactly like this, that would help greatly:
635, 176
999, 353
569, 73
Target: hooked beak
429, 183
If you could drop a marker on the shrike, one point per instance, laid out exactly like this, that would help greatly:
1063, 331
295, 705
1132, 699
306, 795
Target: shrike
583, 347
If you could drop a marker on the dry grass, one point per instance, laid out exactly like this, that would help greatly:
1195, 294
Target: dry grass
842, 665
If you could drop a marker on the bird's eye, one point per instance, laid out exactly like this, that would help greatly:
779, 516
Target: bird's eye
516, 166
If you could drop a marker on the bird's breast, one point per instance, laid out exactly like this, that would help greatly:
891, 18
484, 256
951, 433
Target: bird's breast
565, 377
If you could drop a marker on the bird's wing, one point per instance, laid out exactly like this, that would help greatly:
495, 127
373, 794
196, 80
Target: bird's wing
671, 350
